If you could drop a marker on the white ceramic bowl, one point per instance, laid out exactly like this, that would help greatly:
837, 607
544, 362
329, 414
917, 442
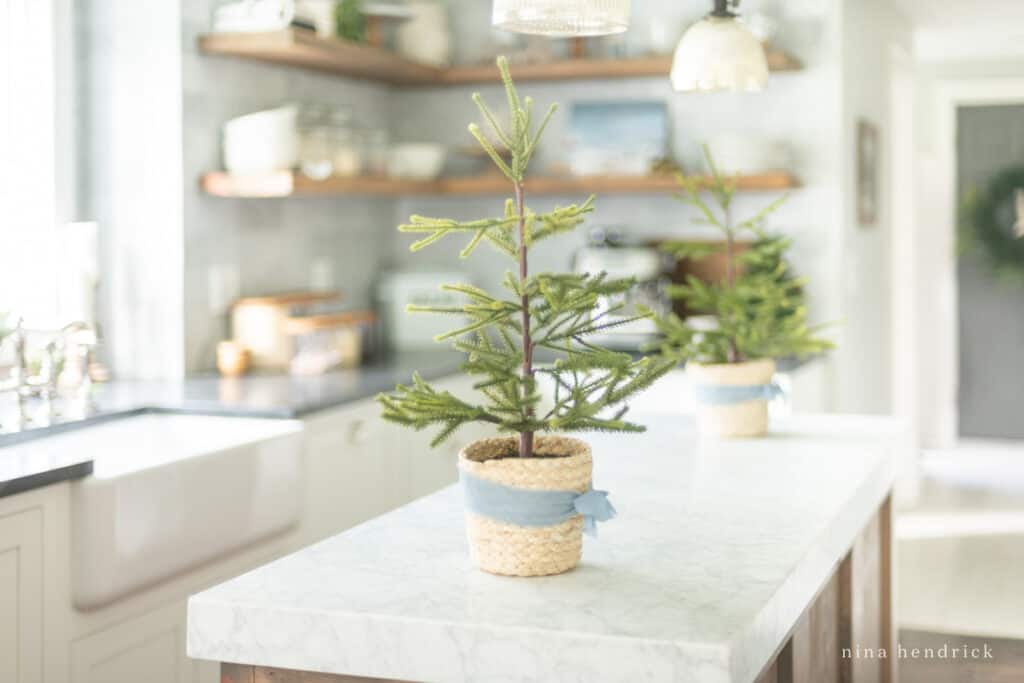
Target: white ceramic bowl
261, 142
416, 160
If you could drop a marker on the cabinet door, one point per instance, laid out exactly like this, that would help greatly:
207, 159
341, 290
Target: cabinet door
21, 597
432, 469
150, 648
357, 469
380, 458
327, 510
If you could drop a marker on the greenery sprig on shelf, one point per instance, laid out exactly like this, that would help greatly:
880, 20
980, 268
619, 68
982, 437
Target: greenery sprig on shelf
758, 309
549, 312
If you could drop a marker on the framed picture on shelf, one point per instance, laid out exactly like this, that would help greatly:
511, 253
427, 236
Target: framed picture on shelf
868, 161
617, 138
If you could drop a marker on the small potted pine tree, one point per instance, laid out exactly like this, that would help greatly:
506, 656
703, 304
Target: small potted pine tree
528, 491
757, 314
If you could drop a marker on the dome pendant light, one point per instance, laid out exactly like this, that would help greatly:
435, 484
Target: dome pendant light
719, 53
562, 18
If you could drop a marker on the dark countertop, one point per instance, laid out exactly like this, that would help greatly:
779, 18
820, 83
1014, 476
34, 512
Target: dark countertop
277, 395
256, 395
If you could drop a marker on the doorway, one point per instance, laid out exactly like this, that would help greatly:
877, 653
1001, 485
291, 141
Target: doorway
990, 139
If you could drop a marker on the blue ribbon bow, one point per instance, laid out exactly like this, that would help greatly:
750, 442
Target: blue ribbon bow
595, 507
528, 507
729, 394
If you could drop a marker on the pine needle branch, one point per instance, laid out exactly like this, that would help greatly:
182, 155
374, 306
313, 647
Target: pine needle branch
556, 312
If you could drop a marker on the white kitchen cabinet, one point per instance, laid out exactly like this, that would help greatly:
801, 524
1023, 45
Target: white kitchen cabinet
149, 648
34, 592
21, 597
430, 469
360, 466
355, 467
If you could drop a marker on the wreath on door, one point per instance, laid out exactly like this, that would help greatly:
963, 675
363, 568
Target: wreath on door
992, 223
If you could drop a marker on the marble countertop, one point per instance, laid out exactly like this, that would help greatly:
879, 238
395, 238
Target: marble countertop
256, 395
717, 550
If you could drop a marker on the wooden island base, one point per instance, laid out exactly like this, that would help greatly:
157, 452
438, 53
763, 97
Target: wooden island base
238, 673
838, 639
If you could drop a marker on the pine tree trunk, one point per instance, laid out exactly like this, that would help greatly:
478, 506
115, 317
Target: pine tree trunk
525, 438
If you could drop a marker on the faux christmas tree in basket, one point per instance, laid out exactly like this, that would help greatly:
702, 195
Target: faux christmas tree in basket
758, 315
528, 491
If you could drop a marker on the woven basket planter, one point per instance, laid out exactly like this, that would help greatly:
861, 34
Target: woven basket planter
734, 417
499, 547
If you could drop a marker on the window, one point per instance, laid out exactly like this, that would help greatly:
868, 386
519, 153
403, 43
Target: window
36, 161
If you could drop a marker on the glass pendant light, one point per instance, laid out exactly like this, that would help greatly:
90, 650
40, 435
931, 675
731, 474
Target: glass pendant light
562, 18
719, 53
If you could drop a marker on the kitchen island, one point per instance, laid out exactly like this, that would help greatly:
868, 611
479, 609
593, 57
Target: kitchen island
729, 561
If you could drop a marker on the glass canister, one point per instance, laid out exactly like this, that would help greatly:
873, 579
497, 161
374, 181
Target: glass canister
316, 142
376, 145
346, 144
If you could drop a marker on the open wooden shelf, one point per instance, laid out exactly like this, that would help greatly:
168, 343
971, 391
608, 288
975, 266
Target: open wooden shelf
579, 69
286, 184
303, 48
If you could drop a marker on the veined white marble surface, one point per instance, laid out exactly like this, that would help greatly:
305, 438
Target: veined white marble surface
717, 550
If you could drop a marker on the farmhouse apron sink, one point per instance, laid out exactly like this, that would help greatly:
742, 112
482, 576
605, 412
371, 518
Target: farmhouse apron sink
170, 492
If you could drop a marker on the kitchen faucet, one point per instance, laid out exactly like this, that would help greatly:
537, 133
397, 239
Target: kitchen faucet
65, 362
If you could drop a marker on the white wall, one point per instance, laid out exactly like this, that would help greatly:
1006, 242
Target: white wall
870, 28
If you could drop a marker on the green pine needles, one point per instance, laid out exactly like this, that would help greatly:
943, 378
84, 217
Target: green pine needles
548, 313
759, 309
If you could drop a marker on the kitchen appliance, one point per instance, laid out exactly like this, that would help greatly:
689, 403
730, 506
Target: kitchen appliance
611, 252
406, 331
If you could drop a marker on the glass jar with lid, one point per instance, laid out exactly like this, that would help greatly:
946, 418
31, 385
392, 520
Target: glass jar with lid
346, 144
376, 145
316, 141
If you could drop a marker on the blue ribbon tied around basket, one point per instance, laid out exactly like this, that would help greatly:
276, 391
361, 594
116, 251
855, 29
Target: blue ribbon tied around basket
731, 394
528, 507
